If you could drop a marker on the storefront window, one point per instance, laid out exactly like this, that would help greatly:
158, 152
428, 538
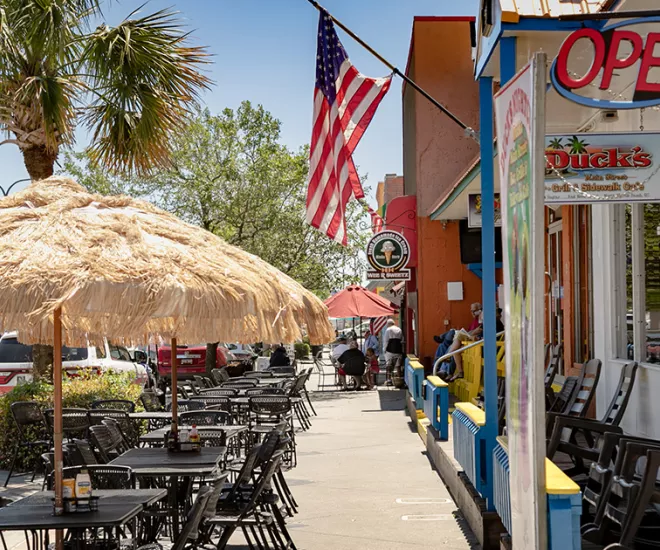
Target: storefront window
649, 329
652, 280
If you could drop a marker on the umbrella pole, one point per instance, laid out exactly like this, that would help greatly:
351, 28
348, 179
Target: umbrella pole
57, 418
175, 391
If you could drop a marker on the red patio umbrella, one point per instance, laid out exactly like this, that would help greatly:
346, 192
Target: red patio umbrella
356, 301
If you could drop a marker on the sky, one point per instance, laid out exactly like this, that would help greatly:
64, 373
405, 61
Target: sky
264, 51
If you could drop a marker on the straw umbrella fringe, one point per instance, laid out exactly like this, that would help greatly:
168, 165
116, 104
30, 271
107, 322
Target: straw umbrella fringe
76, 267
123, 268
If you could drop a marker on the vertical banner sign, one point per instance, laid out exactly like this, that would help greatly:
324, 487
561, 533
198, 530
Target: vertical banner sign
520, 119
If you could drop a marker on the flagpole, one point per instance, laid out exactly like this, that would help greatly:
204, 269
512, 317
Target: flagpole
467, 129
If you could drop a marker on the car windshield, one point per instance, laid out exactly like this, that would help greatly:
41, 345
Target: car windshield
74, 354
119, 353
12, 351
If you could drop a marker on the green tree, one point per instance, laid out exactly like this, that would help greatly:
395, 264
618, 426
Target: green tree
129, 85
230, 174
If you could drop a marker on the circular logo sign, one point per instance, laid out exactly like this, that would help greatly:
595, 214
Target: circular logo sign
388, 251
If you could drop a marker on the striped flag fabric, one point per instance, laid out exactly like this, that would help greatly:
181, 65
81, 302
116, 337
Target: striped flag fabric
377, 324
377, 220
344, 104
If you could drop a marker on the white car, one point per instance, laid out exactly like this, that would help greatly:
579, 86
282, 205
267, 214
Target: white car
16, 361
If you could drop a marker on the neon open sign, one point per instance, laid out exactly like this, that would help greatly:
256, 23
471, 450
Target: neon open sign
614, 48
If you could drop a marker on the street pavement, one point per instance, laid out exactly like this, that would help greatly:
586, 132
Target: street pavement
363, 480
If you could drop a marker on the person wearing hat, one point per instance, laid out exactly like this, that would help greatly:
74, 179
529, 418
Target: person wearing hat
341, 347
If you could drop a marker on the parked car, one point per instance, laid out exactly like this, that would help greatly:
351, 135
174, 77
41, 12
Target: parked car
16, 361
243, 353
191, 361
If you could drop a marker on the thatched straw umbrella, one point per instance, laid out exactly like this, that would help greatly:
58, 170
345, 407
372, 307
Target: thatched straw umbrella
76, 267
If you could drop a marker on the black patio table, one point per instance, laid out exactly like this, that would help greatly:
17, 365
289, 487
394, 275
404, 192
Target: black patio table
205, 432
107, 497
151, 415
111, 503
158, 462
39, 519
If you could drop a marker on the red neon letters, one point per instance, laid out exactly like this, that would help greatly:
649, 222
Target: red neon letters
606, 58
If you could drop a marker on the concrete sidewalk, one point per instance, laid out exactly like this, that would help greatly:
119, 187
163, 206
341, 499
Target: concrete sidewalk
363, 480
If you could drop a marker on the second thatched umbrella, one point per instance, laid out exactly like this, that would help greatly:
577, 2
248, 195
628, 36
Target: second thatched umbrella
76, 267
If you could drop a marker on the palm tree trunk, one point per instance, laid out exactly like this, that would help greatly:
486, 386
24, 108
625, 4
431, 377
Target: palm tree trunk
211, 357
40, 164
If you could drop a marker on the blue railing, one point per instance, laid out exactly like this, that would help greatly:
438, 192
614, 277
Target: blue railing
435, 393
469, 444
564, 501
501, 487
414, 376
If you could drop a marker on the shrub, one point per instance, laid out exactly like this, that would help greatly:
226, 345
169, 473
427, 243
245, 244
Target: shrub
79, 392
302, 350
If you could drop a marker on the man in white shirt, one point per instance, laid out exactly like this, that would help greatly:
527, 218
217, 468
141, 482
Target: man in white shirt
393, 345
340, 348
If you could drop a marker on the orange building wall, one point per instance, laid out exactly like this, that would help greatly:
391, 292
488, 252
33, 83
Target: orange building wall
439, 264
436, 153
443, 67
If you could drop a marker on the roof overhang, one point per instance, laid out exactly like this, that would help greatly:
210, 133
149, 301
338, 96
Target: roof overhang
497, 19
454, 205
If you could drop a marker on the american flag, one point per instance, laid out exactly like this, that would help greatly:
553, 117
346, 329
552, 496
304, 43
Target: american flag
344, 104
377, 324
377, 220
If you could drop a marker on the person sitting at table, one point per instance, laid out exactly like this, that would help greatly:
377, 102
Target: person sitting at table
352, 363
279, 358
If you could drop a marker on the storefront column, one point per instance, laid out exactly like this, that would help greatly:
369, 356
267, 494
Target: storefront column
488, 280
638, 283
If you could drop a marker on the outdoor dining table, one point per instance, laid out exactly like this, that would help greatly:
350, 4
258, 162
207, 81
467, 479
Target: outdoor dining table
107, 497
158, 462
38, 518
151, 415
228, 432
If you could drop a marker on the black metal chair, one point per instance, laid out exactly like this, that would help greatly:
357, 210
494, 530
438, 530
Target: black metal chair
205, 418
33, 434
184, 405
202, 382
150, 402
220, 392
259, 374
295, 392
114, 404
267, 412
126, 425
103, 476
85, 453
264, 391
104, 443
240, 385
220, 376
75, 422
120, 441
249, 515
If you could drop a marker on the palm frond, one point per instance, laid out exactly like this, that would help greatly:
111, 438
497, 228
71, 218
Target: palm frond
147, 78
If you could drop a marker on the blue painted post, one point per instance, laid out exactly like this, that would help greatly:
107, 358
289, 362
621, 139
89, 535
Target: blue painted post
488, 281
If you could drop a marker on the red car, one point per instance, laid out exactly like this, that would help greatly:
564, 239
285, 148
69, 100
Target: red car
191, 360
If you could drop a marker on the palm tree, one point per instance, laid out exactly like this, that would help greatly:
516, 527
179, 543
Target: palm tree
131, 86
556, 143
578, 146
